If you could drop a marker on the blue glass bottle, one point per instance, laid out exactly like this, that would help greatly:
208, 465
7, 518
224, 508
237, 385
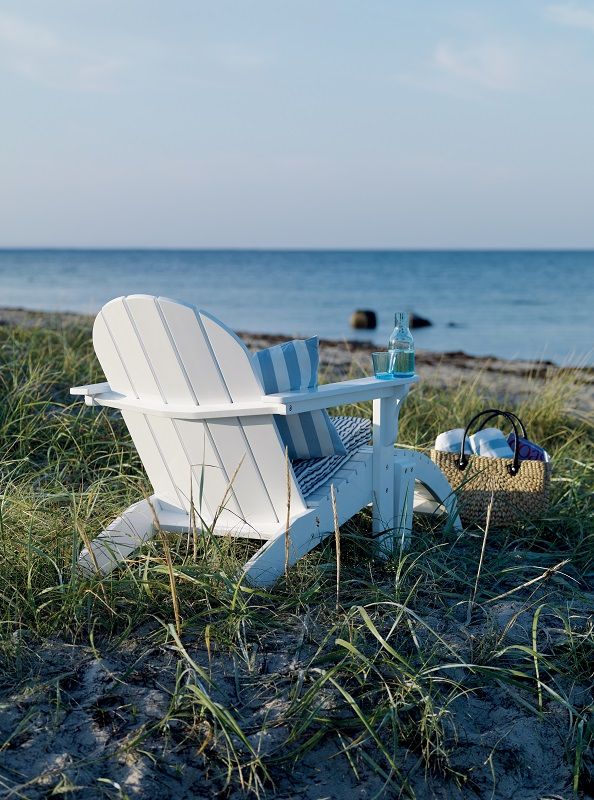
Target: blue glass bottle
401, 347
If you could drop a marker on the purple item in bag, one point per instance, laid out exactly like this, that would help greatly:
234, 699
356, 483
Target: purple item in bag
527, 450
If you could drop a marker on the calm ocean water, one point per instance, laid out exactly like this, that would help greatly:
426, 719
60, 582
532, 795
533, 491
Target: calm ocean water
509, 304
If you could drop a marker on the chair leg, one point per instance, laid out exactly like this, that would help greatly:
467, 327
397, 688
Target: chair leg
306, 531
398, 536
268, 563
429, 474
404, 498
124, 535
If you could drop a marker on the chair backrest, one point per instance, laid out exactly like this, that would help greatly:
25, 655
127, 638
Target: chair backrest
153, 348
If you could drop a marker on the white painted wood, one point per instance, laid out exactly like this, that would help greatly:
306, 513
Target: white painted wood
185, 448
195, 352
425, 503
409, 466
431, 481
138, 525
206, 466
163, 482
173, 520
358, 469
90, 390
194, 408
130, 348
261, 407
161, 377
262, 439
334, 394
109, 356
220, 450
404, 497
233, 360
260, 494
384, 426
238, 459
122, 402
113, 545
309, 529
151, 364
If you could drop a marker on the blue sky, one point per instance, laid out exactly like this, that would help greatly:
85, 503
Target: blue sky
306, 123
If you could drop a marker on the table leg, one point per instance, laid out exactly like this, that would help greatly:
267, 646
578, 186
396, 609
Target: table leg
385, 432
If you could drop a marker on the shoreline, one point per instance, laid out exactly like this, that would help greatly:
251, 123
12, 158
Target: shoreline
512, 380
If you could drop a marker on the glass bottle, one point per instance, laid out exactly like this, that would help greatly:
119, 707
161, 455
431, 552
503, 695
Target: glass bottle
401, 347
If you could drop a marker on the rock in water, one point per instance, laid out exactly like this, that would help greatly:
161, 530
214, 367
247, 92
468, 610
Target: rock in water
363, 319
415, 321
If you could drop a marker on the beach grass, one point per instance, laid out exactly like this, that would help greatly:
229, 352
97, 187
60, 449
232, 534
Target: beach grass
464, 665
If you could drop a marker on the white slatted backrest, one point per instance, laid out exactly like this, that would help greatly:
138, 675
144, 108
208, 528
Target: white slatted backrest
158, 349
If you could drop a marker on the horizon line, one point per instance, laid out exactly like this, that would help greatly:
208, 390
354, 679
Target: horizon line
297, 249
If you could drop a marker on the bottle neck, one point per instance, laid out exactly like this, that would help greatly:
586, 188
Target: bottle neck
401, 338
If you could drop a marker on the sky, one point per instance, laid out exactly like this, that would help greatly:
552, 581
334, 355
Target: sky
297, 123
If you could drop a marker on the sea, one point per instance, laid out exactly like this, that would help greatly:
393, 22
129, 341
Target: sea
536, 305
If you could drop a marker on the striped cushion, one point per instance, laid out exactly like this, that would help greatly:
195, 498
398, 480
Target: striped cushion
354, 433
290, 367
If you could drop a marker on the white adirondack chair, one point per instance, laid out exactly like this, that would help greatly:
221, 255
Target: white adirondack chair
186, 389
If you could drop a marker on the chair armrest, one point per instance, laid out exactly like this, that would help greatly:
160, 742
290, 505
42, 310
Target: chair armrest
284, 403
90, 390
337, 394
100, 394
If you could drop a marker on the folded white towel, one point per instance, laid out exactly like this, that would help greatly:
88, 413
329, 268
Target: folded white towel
490, 442
451, 442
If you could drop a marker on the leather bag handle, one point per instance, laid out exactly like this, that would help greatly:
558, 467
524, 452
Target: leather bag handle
514, 467
508, 414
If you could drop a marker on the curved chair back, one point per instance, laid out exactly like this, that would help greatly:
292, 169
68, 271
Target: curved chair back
156, 349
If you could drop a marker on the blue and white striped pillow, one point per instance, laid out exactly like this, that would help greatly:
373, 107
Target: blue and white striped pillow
291, 367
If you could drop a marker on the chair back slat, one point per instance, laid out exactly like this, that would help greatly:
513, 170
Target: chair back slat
194, 352
131, 350
157, 349
260, 432
114, 367
174, 345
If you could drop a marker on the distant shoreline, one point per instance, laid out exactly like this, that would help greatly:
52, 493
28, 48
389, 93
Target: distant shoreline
31, 318
512, 381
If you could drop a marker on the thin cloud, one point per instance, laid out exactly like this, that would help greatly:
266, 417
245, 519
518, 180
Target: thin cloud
490, 66
40, 55
572, 16
21, 35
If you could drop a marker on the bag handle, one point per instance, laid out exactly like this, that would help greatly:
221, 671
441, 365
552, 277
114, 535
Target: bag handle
514, 467
508, 414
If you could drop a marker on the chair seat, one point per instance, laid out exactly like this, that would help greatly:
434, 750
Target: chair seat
313, 472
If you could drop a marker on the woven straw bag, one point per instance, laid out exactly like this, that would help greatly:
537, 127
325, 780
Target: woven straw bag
520, 489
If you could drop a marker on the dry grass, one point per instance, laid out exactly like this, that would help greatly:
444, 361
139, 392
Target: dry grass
406, 678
